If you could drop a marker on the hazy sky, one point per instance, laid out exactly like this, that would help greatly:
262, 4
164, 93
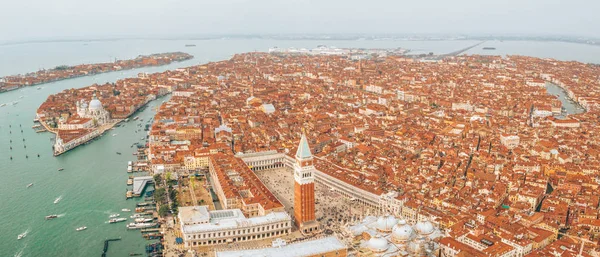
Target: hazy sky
67, 19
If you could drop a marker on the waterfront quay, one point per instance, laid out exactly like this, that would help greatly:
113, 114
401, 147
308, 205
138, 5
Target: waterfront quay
63, 72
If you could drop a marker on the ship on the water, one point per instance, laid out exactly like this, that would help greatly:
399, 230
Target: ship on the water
117, 220
53, 216
489, 48
190, 45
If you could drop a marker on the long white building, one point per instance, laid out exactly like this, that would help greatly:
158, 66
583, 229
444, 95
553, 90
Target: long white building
201, 227
263, 160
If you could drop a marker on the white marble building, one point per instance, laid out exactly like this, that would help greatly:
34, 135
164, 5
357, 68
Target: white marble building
201, 227
94, 111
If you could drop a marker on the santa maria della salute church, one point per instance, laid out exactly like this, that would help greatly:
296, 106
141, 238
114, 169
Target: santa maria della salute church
94, 111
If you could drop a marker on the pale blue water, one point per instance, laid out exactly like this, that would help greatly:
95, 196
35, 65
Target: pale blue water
93, 182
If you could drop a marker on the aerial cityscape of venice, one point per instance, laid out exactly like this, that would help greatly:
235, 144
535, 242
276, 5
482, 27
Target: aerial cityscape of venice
301, 144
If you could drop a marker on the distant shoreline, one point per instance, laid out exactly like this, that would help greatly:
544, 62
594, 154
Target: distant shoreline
573, 40
64, 72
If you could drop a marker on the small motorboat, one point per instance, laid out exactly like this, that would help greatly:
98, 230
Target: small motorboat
117, 220
81, 228
53, 216
30, 184
118, 153
125, 210
61, 169
114, 215
21, 236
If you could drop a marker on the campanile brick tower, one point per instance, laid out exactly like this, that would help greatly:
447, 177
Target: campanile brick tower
304, 188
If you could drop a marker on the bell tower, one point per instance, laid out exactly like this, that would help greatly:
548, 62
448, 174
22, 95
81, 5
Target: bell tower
304, 188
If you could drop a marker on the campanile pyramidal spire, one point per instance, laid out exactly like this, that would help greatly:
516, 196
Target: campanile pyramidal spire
304, 188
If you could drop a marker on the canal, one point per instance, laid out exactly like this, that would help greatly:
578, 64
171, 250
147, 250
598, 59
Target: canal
569, 106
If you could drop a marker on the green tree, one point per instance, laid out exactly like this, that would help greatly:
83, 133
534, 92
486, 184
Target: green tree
160, 195
174, 206
158, 179
163, 210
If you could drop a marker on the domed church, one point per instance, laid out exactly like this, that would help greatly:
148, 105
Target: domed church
390, 236
94, 111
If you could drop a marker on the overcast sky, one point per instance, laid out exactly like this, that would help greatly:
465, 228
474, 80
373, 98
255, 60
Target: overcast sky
81, 19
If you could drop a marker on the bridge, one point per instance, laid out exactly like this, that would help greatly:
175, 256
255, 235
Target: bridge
455, 53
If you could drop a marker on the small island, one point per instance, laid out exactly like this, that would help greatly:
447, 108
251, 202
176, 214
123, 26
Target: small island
62, 72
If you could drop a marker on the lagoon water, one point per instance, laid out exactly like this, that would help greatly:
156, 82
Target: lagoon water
92, 184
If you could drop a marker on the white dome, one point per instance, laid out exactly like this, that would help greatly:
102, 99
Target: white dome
95, 104
378, 244
424, 227
402, 232
386, 223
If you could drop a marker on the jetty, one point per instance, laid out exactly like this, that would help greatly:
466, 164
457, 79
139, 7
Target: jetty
106, 245
140, 183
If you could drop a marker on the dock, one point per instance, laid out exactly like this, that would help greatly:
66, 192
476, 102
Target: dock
106, 245
140, 183
150, 230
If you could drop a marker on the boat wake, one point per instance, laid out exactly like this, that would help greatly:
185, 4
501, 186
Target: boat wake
20, 252
58, 199
61, 215
24, 234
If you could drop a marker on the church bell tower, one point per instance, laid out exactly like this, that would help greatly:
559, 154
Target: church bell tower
304, 188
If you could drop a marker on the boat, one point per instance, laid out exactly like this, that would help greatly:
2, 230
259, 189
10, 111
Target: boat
2, 105
80, 228
118, 153
114, 215
114, 135
136, 118
140, 225
30, 184
117, 220
190, 45
38, 88
58, 199
21, 236
137, 215
61, 169
143, 220
125, 210
489, 48
135, 254
53, 216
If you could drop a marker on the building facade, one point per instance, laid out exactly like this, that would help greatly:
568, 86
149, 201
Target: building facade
201, 227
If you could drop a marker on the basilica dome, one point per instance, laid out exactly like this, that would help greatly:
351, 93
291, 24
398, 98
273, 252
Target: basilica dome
424, 227
402, 232
95, 104
378, 244
386, 223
